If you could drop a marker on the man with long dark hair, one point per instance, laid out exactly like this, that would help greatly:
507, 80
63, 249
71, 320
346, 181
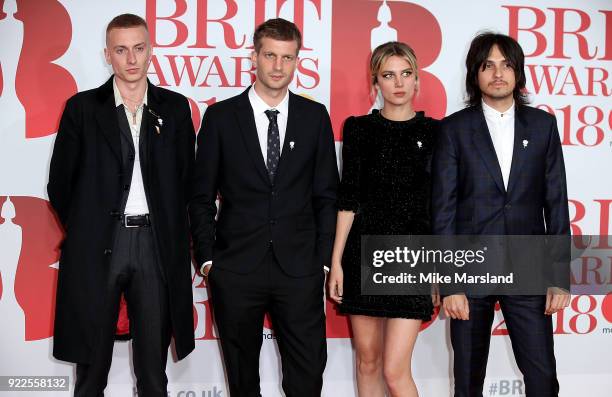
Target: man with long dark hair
498, 170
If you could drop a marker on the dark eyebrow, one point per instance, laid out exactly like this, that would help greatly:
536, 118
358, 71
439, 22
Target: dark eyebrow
391, 71
135, 45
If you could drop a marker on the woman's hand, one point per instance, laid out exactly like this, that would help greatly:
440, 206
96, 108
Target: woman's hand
335, 281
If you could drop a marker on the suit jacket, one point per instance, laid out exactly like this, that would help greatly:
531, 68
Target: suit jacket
469, 197
88, 178
295, 215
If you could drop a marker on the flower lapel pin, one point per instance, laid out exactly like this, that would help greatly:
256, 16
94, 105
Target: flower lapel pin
159, 121
291, 145
525, 143
419, 144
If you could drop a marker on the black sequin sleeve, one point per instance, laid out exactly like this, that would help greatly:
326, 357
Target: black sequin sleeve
349, 191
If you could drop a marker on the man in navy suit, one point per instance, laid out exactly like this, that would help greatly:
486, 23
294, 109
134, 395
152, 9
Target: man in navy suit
498, 170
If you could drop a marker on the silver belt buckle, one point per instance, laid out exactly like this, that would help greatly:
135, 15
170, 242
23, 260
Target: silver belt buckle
125, 221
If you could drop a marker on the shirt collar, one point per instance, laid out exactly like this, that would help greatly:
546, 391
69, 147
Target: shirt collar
493, 114
260, 106
119, 99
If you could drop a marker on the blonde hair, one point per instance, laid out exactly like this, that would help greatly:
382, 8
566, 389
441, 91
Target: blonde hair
389, 49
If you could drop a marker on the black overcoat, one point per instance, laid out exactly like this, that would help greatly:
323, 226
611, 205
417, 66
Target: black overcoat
87, 179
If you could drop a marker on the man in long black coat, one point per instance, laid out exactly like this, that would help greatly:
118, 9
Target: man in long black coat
118, 182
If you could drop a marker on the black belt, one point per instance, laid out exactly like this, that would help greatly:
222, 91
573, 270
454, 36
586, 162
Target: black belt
136, 220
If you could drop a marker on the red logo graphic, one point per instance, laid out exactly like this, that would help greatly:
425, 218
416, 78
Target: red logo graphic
35, 280
606, 307
350, 83
42, 86
338, 325
434, 316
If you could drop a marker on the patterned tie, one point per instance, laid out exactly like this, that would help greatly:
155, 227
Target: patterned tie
273, 144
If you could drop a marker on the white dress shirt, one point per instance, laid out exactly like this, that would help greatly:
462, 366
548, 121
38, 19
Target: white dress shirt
261, 120
137, 201
501, 128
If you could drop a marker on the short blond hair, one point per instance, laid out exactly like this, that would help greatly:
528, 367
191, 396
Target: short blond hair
125, 21
389, 49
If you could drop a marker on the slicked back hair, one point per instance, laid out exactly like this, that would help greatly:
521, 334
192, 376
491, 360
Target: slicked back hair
387, 50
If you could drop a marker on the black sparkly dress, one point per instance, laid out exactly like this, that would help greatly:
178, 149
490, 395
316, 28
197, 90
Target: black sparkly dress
386, 182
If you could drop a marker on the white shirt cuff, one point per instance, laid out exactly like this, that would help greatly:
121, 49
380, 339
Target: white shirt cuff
204, 265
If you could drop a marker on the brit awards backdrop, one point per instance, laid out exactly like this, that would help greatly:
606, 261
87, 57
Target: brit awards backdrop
51, 49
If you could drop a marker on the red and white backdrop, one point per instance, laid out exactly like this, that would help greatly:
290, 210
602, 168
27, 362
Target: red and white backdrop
52, 49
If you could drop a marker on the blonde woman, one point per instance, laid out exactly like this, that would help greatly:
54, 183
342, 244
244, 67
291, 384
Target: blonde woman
384, 191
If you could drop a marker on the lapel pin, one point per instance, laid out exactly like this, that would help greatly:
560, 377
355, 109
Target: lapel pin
159, 120
419, 144
291, 145
525, 143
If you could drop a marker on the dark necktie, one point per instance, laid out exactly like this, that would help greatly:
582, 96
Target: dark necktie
273, 144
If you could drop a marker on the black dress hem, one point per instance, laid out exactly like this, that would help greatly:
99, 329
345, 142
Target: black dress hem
348, 309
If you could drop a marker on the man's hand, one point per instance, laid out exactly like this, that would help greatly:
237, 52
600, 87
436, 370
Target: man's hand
556, 299
456, 307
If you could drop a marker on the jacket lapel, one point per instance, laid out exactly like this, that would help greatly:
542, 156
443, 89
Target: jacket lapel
293, 123
521, 142
148, 131
106, 117
124, 125
483, 143
246, 120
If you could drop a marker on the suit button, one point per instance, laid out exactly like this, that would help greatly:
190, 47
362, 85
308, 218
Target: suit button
114, 213
273, 192
126, 187
507, 206
131, 157
108, 251
272, 221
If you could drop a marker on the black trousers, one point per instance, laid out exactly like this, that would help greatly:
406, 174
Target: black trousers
133, 271
531, 334
240, 302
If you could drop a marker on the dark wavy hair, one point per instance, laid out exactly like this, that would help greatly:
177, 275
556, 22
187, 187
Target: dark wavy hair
477, 57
